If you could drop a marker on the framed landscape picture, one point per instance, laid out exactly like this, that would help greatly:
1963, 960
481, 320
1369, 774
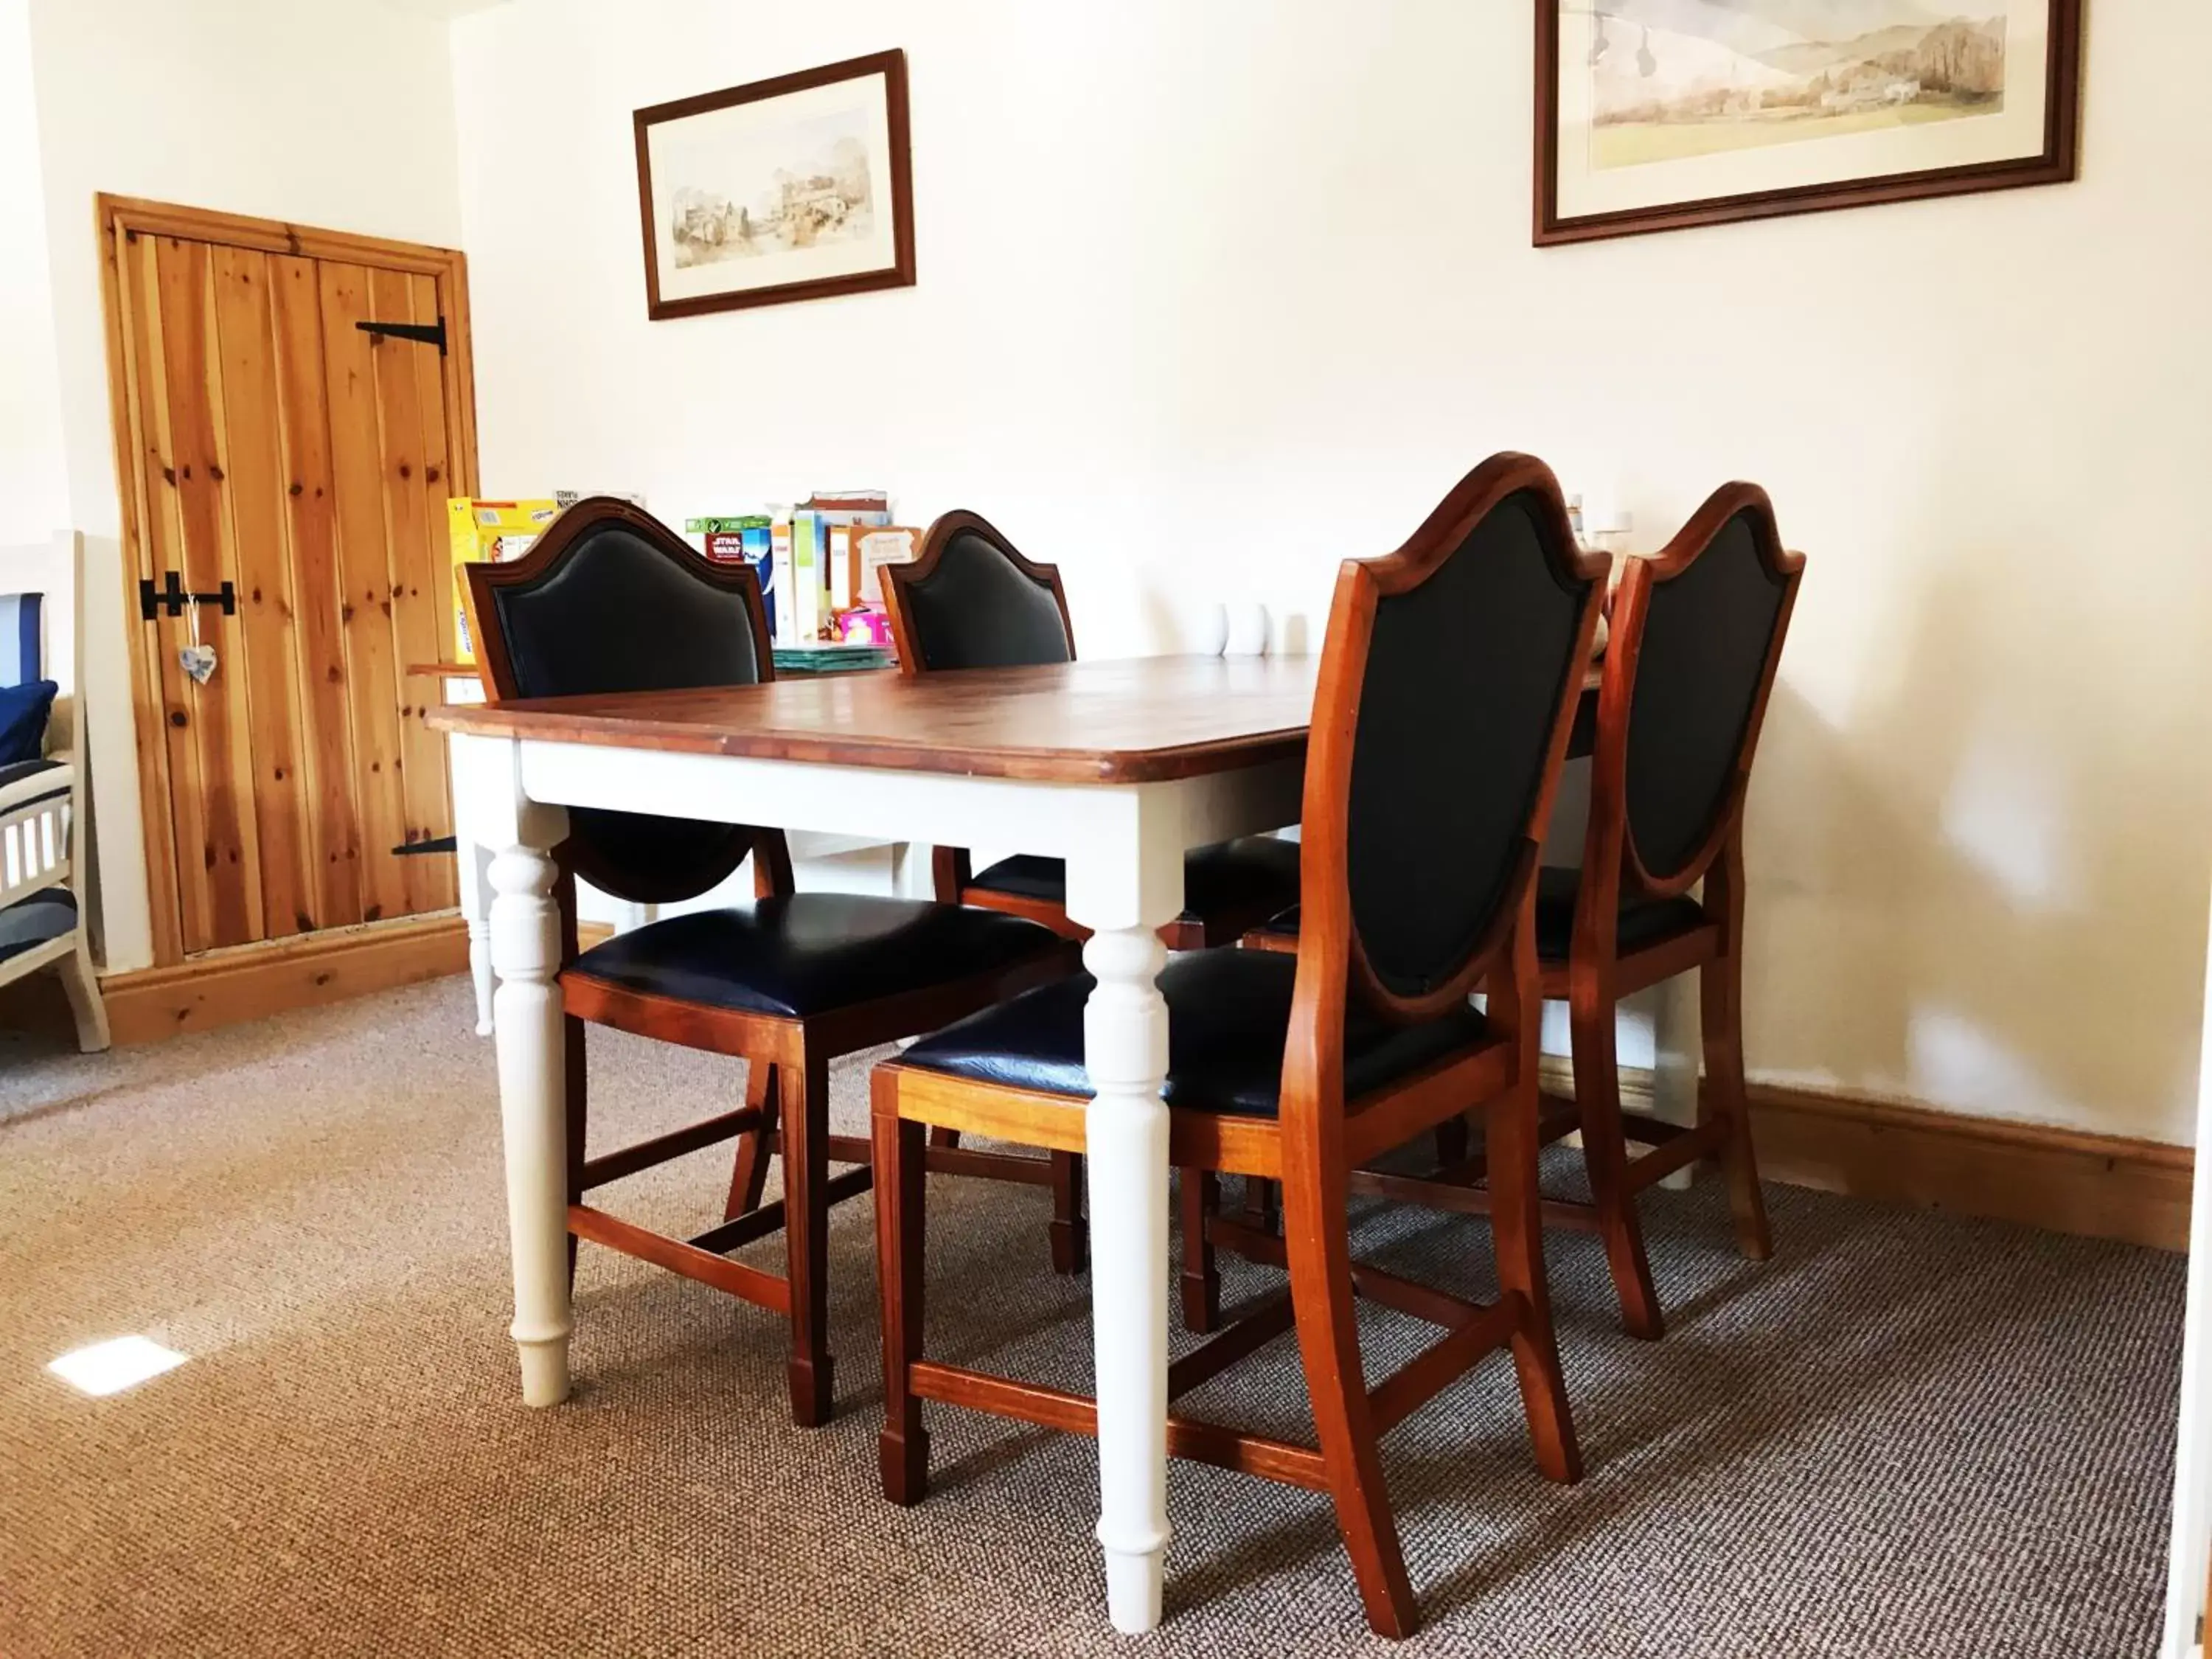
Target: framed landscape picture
1662, 114
790, 189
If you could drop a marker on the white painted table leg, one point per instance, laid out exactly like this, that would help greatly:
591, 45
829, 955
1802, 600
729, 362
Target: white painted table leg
1125, 895
525, 950
1677, 1042
910, 870
470, 858
1125, 1047
475, 907
480, 936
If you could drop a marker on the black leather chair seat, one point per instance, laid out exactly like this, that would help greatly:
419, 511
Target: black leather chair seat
1229, 1016
1643, 921
1250, 872
28, 923
809, 953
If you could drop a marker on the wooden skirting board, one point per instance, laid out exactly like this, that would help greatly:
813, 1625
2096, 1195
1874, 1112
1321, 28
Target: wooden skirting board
2098, 1186
226, 987
2062, 1180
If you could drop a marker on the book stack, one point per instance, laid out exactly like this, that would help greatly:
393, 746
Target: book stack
824, 563
745, 539
817, 562
481, 531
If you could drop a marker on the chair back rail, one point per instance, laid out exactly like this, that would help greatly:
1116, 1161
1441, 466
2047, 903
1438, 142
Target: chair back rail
970, 600
1446, 697
1697, 637
610, 599
35, 842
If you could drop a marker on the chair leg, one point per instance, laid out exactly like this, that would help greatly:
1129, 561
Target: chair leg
1605, 1155
805, 1126
1201, 1271
1071, 1234
86, 1008
1720, 1001
903, 1447
1516, 1229
578, 1119
1452, 1142
1320, 1259
749, 1172
1262, 1202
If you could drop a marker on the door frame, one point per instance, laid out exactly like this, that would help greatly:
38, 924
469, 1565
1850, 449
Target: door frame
120, 216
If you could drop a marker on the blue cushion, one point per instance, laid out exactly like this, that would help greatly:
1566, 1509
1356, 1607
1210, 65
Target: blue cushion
47, 915
23, 711
19, 638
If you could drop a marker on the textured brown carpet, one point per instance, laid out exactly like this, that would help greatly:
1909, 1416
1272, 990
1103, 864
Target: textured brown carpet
1907, 1434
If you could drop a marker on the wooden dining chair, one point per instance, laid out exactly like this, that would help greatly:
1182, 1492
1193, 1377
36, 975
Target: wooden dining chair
609, 599
970, 600
1448, 685
1696, 636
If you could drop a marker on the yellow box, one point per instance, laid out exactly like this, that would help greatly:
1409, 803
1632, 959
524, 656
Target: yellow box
488, 532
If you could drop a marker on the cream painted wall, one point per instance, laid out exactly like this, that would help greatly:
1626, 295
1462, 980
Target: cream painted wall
339, 116
33, 473
1213, 296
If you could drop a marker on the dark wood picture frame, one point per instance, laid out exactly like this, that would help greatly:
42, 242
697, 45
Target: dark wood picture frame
2056, 164
892, 65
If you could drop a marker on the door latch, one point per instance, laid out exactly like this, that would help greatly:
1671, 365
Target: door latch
172, 596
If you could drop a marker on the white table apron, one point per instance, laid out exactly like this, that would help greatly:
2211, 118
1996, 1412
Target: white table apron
1123, 844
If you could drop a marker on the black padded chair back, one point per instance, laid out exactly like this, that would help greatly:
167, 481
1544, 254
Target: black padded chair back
1463, 690
1709, 632
973, 602
612, 601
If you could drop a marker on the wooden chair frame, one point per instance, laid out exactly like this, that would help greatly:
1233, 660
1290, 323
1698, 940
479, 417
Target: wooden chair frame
787, 1102
950, 867
1312, 1147
952, 871
495, 665
1597, 974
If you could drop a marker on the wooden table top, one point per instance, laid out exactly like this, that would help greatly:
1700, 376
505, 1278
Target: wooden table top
1129, 720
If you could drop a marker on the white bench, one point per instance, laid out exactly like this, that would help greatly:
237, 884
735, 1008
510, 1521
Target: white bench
42, 822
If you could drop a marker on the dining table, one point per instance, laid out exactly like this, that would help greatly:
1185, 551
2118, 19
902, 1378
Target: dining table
1118, 767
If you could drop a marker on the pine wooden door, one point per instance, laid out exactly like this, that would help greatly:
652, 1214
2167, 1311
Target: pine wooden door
277, 445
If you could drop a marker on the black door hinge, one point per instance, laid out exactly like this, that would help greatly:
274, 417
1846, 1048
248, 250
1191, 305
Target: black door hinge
427, 333
170, 595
